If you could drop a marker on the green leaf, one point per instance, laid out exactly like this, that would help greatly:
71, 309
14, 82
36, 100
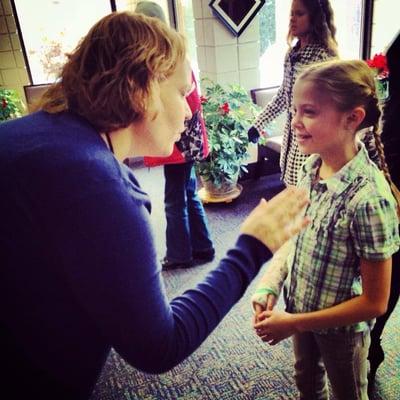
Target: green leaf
227, 132
11, 105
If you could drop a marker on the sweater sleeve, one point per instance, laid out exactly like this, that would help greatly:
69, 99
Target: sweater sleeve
112, 269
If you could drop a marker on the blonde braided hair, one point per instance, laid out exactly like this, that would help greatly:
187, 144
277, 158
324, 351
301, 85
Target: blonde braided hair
375, 146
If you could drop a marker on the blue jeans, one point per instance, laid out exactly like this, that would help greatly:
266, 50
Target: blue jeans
187, 228
342, 356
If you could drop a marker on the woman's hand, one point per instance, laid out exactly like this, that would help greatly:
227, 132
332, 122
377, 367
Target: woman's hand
274, 326
275, 221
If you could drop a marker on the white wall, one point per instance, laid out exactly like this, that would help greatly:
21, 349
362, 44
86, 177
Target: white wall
223, 57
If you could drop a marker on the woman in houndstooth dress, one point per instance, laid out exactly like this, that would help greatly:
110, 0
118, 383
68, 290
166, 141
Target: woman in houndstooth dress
311, 23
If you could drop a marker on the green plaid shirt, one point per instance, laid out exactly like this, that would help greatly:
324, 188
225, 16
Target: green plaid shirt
353, 216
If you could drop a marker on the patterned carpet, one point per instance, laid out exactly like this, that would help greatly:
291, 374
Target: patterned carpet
232, 364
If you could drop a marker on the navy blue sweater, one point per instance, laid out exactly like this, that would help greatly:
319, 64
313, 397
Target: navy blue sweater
79, 270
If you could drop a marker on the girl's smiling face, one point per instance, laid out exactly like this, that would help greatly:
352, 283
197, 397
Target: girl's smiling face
318, 125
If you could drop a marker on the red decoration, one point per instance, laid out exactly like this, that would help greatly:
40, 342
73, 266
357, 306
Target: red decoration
379, 62
203, 99
224, 109
4, 103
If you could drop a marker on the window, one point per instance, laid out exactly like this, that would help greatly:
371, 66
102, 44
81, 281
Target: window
185, 25
55, 30
274, 22
348, 22
130, 5
47, 35
385, 25
180, 15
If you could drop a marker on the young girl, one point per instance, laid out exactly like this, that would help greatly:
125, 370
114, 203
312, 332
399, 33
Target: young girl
311, 23
339, 267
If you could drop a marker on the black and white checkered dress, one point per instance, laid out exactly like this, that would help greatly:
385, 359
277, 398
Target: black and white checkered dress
290, 159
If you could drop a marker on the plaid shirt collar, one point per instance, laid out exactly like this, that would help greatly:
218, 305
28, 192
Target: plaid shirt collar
340, 181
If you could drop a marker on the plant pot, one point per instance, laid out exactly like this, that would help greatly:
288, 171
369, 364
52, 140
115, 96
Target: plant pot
382, 88
224, 193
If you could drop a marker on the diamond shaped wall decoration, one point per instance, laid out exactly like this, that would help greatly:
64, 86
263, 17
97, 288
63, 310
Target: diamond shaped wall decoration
236, 14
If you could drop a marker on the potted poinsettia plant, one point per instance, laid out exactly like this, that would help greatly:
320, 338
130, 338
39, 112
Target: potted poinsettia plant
11, 105
228, 113
381, 72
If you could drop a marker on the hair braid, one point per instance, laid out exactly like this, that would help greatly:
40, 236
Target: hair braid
374, 145
371, 127
384, 167
380, 151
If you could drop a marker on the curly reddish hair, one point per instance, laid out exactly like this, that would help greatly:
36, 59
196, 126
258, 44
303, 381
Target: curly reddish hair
108, 78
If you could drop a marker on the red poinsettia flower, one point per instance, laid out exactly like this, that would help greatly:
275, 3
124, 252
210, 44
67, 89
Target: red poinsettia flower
203, 99
224, 109
4, 103
379, 62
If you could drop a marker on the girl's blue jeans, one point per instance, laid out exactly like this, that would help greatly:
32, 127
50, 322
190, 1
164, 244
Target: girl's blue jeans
187, 228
